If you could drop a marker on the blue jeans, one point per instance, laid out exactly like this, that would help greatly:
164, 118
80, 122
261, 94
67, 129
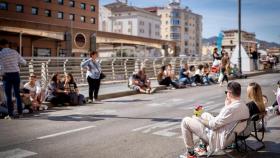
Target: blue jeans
185, 80
12, 80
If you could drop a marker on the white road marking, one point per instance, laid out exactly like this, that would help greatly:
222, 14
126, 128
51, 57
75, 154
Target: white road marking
149, 128
16, 153
65, 132
167, 132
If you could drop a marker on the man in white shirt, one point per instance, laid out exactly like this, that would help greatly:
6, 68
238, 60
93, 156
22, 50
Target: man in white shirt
215, 131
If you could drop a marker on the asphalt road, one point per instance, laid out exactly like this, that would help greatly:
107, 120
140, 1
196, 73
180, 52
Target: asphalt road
139, 126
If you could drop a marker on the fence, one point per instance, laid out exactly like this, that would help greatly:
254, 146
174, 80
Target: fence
115, 69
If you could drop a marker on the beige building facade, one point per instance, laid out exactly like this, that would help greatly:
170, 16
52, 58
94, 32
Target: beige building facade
230, 40
183, 26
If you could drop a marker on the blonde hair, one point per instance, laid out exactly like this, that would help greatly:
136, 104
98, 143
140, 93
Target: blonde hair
254, 93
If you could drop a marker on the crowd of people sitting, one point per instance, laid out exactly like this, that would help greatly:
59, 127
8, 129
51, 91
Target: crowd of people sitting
61, 91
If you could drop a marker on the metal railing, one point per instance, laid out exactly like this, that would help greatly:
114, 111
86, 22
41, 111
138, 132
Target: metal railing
115, 69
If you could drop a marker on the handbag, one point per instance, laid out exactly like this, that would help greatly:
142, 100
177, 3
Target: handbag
102, 75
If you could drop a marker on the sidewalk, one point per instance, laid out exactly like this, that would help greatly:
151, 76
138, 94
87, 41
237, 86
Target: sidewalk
114, 90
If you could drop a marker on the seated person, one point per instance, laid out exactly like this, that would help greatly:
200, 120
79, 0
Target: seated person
32, 94
139, 82
276, 105
191, 74
184, 75
198, 75
215, 131
165, 80
55, 92
256, 103
207, 78
70, 88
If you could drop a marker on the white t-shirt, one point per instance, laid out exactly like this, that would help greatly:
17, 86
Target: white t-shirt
35, 89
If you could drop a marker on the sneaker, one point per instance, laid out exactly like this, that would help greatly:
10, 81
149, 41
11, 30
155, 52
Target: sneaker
44, 107
25, 111
200, 150
153, 90
193, 85
8, 118
90, 101
187, 155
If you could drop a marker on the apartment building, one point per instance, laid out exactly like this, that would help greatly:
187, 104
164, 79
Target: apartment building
181, 25
49, 27
230, 40
121, 18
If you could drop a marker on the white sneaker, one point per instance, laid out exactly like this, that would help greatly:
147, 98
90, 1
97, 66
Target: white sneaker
25, 111
152, 90
90, 101
44, 107
8, 118
193, 84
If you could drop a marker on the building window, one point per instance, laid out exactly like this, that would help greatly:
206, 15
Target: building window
92, 20
83, 6
60, 15
92, 8
42, 52
48, 1
60, 2
3, 6
71, 3
142, 31
19, 8
48, 13
83, 19
34, 11
142, 23
72, 17
231, 42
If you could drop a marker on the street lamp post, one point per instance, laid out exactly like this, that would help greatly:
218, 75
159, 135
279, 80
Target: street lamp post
239, 36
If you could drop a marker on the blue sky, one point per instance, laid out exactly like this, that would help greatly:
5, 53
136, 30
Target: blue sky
259, 16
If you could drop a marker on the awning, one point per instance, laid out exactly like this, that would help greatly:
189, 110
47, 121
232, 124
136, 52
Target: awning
41, 33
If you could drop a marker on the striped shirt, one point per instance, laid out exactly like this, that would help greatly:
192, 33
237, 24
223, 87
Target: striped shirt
10, 60
93, 68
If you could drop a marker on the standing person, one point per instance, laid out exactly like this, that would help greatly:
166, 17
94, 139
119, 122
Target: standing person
213, 131
224, 67
93, 75
216, 55
9, 61
255, 58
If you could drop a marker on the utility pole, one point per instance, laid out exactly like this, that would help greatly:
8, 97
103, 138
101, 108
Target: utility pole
239, 37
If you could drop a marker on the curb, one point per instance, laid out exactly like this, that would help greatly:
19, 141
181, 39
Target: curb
125, 93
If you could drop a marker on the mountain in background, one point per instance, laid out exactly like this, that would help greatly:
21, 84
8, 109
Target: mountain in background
263, 44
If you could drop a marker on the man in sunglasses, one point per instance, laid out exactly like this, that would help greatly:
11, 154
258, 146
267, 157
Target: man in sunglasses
215, 131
